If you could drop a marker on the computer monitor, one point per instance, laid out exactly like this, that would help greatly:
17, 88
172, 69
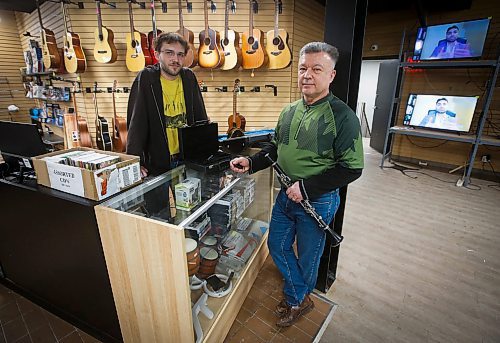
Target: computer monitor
454, 40
443, 112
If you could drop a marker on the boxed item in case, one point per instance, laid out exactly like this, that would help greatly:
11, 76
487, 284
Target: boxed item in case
188, 193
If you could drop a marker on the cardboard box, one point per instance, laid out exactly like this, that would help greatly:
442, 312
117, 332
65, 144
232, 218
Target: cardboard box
91, 184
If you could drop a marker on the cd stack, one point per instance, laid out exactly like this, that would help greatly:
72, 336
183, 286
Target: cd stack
222, 214
247, 187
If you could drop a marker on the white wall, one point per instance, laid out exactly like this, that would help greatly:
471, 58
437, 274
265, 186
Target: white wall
368, 88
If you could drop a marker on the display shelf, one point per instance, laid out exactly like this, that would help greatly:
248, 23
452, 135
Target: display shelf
450, 64
490, 140
143, 236
411, 131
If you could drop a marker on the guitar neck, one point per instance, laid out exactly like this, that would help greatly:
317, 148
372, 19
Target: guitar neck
206, 17
131, 17
39, 14
99, 18
250, 20
153, 16
63, 9
181, 20
114, 103
276, 15
234, 105
226, 20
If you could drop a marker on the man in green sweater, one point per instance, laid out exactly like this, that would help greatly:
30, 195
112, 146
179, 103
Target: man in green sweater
318, 145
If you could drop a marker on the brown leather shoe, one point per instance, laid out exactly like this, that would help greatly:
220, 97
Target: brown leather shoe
281, 308
295, 312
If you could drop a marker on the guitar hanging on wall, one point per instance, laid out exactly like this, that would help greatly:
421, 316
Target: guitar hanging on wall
104, 47
231, 42
277, 43
153, 34
50, 53
137, 47
236, 122
74, 57
102, 128
119, 127
83, 129
210, 53
192, 55
254, 55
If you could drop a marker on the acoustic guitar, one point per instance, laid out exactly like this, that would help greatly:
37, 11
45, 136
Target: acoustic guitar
231, 42
104, 47
137, 47
254, 55
235, 122
74, 57
50, 54
192, 55
102, 128
153, 34
277, 43
82, 127
119, 127
210, 53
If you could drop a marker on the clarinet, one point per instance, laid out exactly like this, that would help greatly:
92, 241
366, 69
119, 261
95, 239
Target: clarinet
287, 183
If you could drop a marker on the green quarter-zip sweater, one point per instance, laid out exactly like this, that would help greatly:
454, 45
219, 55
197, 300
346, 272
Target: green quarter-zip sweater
318, 145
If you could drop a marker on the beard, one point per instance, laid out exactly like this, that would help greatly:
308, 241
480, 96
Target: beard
169, 70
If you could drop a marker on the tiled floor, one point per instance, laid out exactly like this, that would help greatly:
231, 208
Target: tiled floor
22, 321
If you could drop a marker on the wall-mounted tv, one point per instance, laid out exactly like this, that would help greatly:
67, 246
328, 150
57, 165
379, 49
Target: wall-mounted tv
444, 112
451, 41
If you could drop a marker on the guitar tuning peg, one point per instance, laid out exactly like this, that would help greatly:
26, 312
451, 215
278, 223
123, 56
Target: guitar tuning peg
213, 6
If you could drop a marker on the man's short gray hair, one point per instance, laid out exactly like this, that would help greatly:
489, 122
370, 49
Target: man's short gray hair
314, 47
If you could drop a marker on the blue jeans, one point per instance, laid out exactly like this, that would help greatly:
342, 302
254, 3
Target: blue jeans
290, 221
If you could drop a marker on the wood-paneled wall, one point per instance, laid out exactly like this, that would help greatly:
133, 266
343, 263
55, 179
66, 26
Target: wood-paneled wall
11, 59
386, 30
260, 109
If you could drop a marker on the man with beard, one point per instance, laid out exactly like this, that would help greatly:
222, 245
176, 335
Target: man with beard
164, 97
452, 47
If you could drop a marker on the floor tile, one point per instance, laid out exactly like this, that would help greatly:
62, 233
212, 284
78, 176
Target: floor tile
86, 337
25, 339
58, 326
43, 335
34, 319
244, 336
295, 334
264, 331
14, 329
73, 337
9, 312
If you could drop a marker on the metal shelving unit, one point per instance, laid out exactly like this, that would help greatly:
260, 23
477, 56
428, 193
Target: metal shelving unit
475, 139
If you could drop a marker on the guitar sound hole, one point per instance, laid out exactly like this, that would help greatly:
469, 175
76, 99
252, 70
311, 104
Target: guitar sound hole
276, 41
251, 40
207, 41
101, 38
134, 43
225, 41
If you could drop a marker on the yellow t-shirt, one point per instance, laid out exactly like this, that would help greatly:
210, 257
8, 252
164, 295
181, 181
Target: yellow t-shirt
174, 109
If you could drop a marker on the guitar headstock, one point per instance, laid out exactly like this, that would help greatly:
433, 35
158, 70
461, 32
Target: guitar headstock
233, 6
236, 85
255, 6
114, 86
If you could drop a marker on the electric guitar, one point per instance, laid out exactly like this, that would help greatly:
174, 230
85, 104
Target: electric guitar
231, 42
277, 43
102, 128
153, 34
104, 47
74, 58
235, 122
210, 53
254, 55
51, 58
119, 127
137, 47
192, 55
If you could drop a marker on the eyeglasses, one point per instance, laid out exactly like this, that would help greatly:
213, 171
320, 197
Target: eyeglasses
171, 53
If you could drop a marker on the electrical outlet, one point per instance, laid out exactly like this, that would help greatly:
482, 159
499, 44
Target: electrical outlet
422, 163
486, 158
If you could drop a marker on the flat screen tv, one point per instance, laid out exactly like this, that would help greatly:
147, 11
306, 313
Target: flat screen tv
443, 112
451, 41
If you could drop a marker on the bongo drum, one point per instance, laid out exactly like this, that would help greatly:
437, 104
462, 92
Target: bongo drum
209, 259
193, 256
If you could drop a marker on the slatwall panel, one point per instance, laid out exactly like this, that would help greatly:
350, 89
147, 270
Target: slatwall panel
308, 19
11, 59
386, 29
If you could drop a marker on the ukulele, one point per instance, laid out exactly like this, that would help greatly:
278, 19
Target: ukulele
152, 35
277, 43
104, 47
236, 122
254, 55
231, 42
192, 55
83, 129
210, 54
119, 127
50, 54
137, 50
74, 58
101, 125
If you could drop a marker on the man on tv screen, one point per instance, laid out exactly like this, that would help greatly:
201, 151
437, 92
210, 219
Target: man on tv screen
453, 46
441, 118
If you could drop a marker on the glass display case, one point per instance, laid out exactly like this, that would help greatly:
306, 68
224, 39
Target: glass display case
183, 250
